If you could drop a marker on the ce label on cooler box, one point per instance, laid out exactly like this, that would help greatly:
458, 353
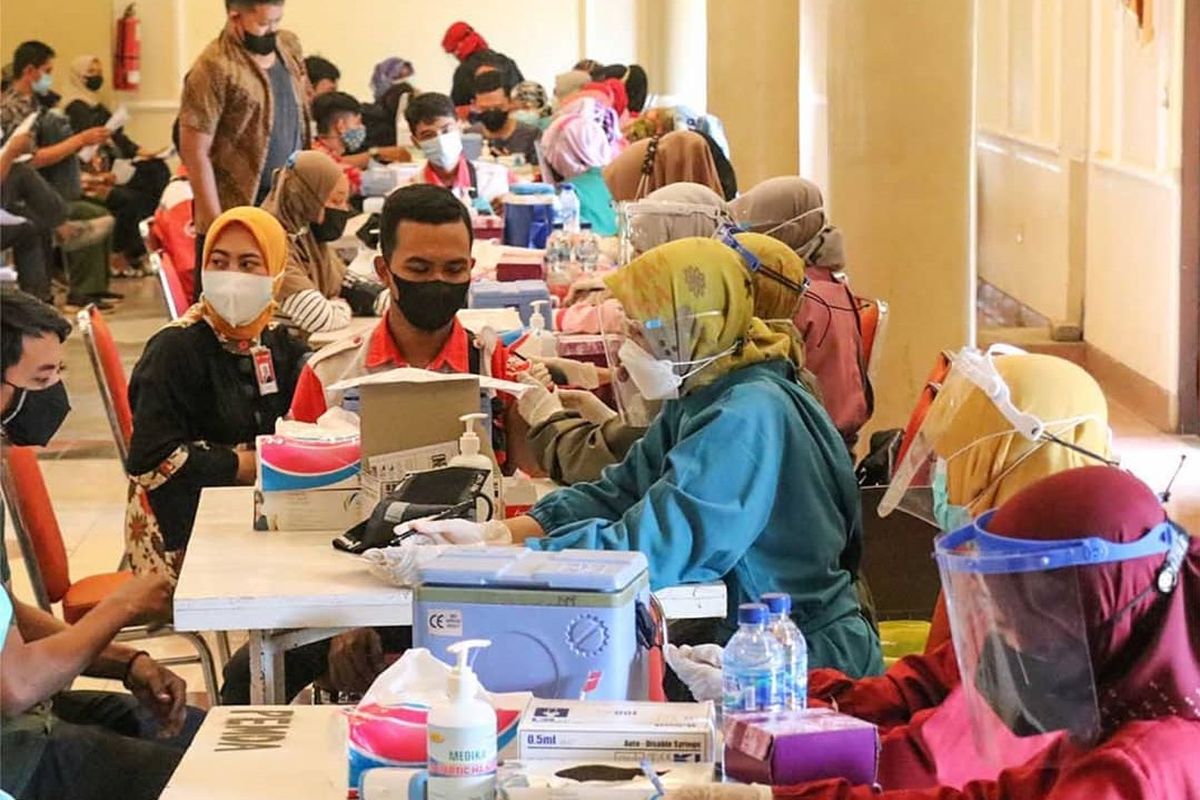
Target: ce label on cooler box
446, 622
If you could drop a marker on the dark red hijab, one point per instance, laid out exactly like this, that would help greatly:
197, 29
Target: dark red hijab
462, 40
1145, 645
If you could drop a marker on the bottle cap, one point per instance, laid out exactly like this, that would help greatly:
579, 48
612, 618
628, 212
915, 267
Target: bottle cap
752, 614
778, 603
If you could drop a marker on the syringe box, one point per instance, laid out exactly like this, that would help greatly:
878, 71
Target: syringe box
677, 733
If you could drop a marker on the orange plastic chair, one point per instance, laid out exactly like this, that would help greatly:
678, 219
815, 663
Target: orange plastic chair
172, 289
873, 319
110, 376
932, 384
41, 543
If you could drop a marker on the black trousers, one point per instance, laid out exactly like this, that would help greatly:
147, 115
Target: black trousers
26, 193
301, 666
32, 246
132, 203
102, 746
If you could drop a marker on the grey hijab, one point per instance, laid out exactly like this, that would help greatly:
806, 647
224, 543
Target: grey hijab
775, 207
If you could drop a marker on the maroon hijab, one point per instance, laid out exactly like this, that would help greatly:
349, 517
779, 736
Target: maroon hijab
1145, 645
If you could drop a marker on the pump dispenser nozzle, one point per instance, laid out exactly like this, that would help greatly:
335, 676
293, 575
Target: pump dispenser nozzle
463, 683
468, 443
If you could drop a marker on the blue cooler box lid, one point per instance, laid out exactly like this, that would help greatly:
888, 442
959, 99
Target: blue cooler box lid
580, 570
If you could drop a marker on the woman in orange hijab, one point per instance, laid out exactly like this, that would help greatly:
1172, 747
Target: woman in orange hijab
206, 386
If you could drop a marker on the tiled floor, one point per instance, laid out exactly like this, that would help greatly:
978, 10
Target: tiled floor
88, 486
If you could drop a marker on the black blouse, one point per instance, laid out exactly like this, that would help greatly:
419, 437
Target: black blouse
187, 391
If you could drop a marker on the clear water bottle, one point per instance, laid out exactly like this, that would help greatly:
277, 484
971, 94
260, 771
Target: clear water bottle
558, 262
587, 249
795, 649
753, 668
569, 204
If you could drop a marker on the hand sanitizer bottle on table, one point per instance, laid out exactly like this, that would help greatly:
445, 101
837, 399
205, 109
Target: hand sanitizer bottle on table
462, 736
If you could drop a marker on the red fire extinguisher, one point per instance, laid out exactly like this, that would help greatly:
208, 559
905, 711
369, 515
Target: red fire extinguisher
128, 56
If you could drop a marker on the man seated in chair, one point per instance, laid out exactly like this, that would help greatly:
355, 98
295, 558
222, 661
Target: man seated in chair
56, 743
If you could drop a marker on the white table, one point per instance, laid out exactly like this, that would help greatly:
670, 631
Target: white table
265, 753
357, 326
291, 588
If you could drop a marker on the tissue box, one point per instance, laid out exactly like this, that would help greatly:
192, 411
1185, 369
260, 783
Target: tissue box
679, 733
326, 510
784, 748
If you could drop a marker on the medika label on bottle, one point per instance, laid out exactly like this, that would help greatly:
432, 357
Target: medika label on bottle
446, 622
678, 733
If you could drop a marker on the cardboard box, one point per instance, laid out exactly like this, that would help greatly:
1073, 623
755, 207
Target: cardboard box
561, 730
325, 510
784, 748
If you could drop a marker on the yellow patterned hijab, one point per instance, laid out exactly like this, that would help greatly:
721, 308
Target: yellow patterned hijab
703, 284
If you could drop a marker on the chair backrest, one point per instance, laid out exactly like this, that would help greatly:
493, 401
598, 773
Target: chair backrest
36, 525
873, 316
110, 376
172, 289
928, 394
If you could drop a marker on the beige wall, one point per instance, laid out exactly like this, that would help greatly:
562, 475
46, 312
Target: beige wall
754, 84
89, 33
1078, 171
900, 158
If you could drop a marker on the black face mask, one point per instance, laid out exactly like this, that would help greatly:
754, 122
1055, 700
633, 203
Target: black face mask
493, 119
333, 227
1033, 695
430, 305
36, 416
262, 45
93, 82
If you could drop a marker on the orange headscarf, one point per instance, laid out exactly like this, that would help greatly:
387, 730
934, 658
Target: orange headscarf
272, 242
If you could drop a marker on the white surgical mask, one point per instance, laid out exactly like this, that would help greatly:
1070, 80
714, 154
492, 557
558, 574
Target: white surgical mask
443, 150
655, 378
238, 297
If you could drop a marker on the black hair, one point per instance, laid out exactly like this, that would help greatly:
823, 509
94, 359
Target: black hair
419, 202
321, 69
31, 54
328, 107
390, 101
611, 71
24, 315
427, 107
637, 85
232, 4
489, 81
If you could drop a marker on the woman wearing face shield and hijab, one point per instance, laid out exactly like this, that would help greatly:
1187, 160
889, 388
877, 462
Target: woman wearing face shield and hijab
310, 198
918, 703
1074, 615
791, 209
739, 460
206, 386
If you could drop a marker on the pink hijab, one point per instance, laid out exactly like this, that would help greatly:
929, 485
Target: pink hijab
576, 140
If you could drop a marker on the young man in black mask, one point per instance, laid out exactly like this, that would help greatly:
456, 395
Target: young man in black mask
57, 743
425, 237
504, 133
244, 110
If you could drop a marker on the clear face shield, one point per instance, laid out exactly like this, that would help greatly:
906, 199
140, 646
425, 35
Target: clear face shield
919, 484
645, 224
1020, 633
651, 360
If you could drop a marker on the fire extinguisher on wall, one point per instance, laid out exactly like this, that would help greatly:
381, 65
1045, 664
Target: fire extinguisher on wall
128, 54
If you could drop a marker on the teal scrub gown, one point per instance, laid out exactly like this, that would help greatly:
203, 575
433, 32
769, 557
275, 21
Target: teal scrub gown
595, 202
745, 481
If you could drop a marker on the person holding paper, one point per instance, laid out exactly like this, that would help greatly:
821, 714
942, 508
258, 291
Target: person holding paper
206, 386
129, 201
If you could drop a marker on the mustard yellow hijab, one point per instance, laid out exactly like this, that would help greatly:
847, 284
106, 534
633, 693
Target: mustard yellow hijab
705, 282
988, 462
272, 241
774, 303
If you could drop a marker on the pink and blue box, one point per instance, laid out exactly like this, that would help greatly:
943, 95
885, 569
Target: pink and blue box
307, 484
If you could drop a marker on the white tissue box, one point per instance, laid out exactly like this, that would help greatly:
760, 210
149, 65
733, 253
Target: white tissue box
334, 510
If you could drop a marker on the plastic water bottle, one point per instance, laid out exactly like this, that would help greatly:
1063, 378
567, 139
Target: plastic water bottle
587, 249
558, 262
753, 668
795, 649
569, 203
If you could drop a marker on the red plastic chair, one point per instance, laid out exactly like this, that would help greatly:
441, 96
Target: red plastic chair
41, 543
173, 291
932, 384
110, 376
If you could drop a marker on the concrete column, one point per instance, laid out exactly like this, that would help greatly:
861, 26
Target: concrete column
900, 173
754, 84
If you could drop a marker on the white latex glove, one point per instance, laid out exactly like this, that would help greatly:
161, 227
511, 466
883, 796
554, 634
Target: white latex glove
720, 791
699, 668
589, 406
463, 531
540, 373
579, 374
537, 404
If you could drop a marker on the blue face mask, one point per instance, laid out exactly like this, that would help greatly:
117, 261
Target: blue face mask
527, 116
354, 139
948, 516
42, 85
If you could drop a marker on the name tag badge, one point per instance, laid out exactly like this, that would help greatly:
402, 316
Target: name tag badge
264, 371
